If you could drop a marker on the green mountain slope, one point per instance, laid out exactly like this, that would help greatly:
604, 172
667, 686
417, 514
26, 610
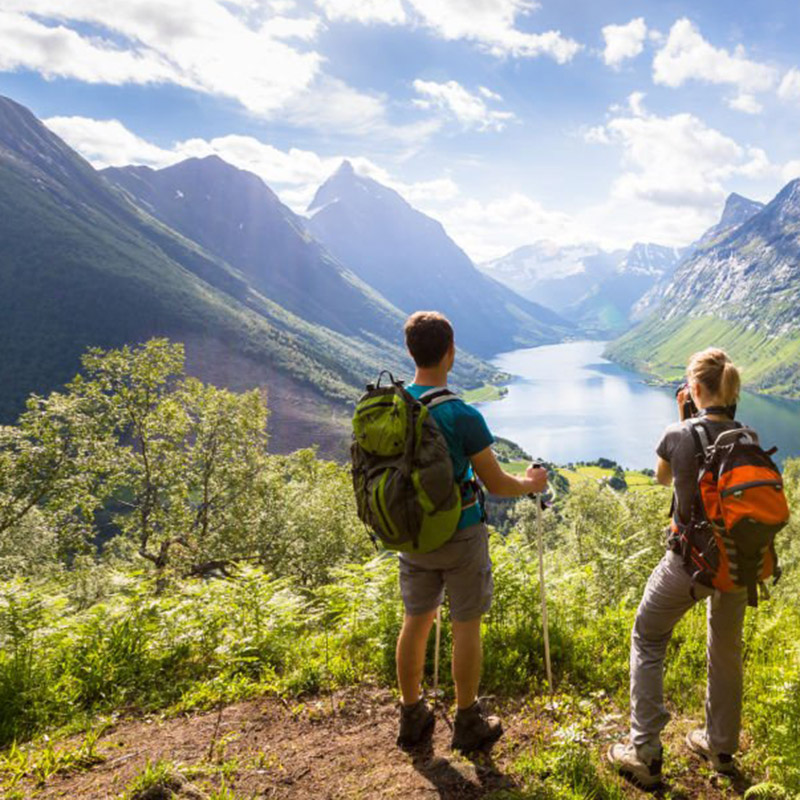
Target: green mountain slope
234, 215
82, 266
741, 292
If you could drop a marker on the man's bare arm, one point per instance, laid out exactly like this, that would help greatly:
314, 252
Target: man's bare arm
499, 482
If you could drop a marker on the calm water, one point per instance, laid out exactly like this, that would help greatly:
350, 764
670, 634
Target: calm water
568, 403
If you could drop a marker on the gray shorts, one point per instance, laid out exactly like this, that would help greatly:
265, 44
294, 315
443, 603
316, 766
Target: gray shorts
462, 565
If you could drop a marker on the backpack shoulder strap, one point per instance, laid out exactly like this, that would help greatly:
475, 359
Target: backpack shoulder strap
435, 397
701, 437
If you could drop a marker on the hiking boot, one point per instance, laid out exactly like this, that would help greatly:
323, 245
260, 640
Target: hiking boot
474, 729
642, 764
697, 742
416, 724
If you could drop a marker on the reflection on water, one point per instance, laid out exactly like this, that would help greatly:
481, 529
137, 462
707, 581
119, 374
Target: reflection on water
568, 403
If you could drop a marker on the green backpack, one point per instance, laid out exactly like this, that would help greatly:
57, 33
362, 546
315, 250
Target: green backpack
402, 470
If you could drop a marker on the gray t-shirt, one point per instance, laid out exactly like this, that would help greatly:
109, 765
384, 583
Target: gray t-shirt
677, 446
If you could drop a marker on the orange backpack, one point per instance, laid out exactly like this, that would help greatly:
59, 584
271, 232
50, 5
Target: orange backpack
739, 506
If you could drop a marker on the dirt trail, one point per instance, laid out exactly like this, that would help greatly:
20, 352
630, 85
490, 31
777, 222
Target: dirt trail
343, 747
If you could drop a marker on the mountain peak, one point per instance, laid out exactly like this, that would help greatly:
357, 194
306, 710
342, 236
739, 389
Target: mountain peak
345, 168
647, 258
347, 184
738, 209
211, 163
787, 201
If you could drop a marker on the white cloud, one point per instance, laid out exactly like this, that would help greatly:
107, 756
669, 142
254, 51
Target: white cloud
489, 94
390, 12
636, 104
596, 134
294, 174
687, 56
789, 89
487, 230
618, 223
259, 53
243, 49
454, 100
57, 51
791, 170
674, 177
624, 41
746, 103
439, 190
492, 24
678, 160
212, 49
108, 143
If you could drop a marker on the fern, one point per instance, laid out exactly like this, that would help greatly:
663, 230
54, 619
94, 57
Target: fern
768, 791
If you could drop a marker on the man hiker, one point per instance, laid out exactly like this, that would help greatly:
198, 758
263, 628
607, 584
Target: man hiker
461, 565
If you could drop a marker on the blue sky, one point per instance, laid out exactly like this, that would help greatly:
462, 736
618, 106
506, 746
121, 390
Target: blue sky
509, 120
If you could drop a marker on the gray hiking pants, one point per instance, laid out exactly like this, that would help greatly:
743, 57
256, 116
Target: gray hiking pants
666, 599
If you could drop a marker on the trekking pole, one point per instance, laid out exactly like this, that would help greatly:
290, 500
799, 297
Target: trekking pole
539, 502
540, 536
436, 657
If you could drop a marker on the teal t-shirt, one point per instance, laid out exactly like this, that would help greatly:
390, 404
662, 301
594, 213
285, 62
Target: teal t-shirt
466, 433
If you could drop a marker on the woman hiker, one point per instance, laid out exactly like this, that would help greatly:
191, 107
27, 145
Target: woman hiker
713, 384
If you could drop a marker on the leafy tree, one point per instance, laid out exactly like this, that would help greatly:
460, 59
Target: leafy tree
50, 470
307, 522
619, 536
183, 477
617, 480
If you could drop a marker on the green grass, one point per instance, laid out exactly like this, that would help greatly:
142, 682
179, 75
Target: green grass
516, 467
769, 364
484, 394
634, 478
585, 473
637, 480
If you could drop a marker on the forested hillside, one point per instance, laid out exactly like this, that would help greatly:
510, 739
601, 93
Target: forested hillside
157, 561
83, 265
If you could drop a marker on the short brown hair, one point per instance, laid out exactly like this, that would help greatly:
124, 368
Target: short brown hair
714, 369
429, 335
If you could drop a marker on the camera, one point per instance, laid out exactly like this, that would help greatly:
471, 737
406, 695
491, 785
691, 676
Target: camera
689, 408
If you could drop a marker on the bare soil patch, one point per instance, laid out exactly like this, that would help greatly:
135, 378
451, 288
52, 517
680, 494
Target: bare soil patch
342, 746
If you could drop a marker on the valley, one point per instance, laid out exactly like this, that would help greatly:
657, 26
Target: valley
310, 308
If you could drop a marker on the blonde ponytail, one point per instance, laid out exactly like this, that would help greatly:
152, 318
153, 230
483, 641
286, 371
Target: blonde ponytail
717, 373
729, 384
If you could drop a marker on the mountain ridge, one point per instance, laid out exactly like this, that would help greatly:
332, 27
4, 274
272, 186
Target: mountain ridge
740, 292
233, 214
89, 267
593, 288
